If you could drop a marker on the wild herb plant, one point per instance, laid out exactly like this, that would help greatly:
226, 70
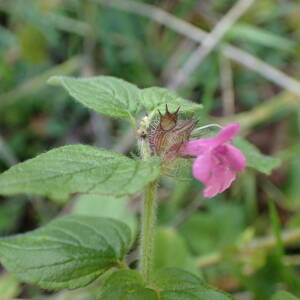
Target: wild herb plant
73, 251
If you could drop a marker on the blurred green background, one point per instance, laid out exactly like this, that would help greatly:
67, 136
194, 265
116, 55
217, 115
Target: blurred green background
226, 240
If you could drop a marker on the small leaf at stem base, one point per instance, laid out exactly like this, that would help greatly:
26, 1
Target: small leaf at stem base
167, 284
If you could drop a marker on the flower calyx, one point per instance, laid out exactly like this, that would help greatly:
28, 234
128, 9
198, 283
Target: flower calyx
167, 137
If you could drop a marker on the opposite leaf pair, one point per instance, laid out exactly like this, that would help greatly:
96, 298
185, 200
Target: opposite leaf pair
167, 284
73, 251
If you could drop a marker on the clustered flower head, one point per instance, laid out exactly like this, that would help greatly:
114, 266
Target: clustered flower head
216, 161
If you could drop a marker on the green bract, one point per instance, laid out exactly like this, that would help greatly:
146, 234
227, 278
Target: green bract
69, 252
168, 284
79, 169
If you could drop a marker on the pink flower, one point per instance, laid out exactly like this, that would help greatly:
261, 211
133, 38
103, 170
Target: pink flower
217, 162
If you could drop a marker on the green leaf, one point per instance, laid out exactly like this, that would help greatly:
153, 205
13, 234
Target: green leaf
79, 168
126, 285
260, 36
33, 44
8, 39
69, 252
277, 230
171, 251
11, 213
255, 159
175, 284
283, 295
167, 284
107, 95
86, 293
104, 206
10, 287
292, 187
267, 279
204, 235
157, 98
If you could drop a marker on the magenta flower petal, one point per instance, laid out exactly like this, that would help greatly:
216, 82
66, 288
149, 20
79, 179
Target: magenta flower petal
216, 177
196, 147
227, 133
202, 167
235, 158
217, 161
220, 181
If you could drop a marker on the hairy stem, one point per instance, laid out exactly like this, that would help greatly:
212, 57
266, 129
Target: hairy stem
148, 230
149, 212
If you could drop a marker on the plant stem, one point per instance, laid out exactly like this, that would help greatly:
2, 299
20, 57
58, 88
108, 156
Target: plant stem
148, 231
148, 216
